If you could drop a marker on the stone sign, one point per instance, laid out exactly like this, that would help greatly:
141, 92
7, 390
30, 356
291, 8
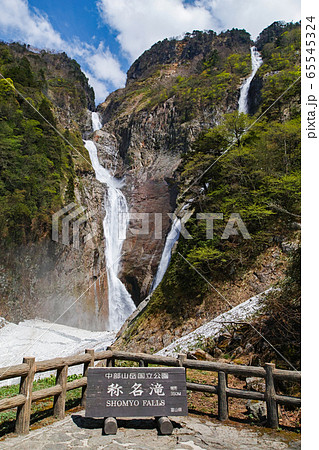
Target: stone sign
136, 392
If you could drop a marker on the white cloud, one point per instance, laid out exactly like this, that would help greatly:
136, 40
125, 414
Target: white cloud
19, 22
253, 15
106, 66
29, 26
99, 87
141, 23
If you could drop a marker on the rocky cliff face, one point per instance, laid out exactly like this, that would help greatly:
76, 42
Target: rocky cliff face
44, 278
171, 96
254, 171
254, 95
41, 277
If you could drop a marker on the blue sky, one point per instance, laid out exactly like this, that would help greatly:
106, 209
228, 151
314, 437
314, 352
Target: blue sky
106, 36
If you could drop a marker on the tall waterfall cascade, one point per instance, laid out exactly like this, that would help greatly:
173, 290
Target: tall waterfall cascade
256, 62
115, 225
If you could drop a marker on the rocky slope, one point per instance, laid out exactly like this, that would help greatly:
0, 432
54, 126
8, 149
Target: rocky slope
155, 328
259, 177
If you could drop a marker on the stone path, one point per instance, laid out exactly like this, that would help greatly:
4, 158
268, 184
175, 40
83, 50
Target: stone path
77, 432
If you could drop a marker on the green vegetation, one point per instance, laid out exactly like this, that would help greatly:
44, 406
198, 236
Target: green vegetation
257, 175
282, 318
281, 57
209, 87
38, 167
40, 409
279, 322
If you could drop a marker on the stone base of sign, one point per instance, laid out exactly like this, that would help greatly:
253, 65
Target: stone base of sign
164, 425
110, 425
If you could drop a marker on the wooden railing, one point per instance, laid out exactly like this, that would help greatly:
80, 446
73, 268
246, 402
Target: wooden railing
30, 367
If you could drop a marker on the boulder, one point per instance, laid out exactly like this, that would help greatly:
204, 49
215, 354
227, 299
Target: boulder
257, 409
153, 341
201, 355
255, 384
249, 348
238, 351
288, 247
167, 339
217, 352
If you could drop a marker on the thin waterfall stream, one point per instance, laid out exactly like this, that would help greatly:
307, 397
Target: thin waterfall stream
256, 62
172, 237
115, 225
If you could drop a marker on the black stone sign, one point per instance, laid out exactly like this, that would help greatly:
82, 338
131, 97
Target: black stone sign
136, 392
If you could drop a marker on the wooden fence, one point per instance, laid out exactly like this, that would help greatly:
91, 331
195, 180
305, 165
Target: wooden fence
30, 367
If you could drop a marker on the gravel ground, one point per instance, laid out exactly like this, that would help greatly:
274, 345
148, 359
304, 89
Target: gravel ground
190, 433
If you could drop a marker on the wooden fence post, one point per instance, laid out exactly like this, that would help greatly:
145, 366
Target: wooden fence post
181, 358
110, 362
85, 374
222, 396
141, 363
59, 399
270, 397
24, 411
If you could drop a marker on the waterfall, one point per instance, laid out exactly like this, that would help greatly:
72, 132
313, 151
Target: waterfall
96, 123
115, 224
256, 62
172, 237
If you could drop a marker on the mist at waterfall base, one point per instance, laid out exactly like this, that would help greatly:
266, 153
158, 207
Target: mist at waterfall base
256, 62
115, 224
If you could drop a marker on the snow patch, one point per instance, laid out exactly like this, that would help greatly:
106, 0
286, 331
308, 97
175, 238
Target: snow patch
46, 340
213, 328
